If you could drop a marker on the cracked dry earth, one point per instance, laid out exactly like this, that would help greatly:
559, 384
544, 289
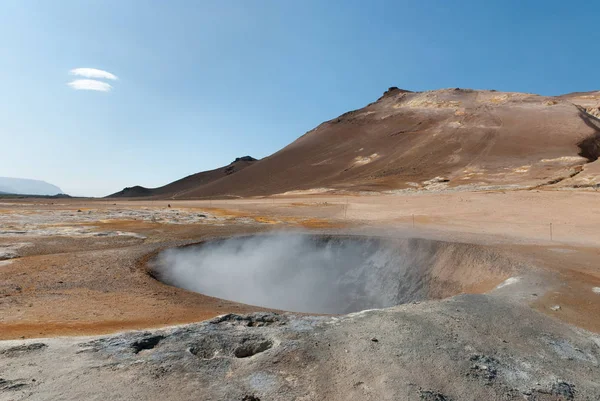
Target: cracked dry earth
500, 338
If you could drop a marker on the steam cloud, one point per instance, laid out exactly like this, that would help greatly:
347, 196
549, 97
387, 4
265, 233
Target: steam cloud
294, 272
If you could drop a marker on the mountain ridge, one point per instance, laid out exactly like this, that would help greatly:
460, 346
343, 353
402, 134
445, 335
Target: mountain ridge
27, 186
188, 182
446, 139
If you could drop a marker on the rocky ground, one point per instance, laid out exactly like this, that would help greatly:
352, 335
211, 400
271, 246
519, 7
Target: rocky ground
448, 350
532, 337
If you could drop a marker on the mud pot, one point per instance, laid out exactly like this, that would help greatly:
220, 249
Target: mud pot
330, 274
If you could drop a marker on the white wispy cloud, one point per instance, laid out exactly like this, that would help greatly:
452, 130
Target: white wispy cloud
93, 73
90, 85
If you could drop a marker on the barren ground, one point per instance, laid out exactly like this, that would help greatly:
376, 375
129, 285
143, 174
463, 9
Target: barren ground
76, 266
85, 276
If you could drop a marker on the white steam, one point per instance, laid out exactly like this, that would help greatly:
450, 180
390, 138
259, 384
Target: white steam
295, 272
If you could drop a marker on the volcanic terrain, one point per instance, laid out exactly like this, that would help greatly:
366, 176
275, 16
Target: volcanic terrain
437, 246
458, 139
183, 185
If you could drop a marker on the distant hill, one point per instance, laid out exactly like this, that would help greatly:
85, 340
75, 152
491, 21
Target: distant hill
191, 182
25, 186
447, 139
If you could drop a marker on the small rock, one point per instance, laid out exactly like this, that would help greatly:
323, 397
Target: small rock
146, 343
20, 350
555, 308
433, 396
11, 384
564, 389
485, 367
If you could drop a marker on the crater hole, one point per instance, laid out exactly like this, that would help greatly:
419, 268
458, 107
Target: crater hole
330, 274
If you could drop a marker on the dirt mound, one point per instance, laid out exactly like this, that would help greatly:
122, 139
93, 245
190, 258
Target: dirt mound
131, 192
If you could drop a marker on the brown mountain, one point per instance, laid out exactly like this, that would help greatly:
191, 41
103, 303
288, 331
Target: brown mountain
442, 139
191, 182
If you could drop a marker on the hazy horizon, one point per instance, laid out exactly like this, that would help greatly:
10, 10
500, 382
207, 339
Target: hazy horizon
104, 95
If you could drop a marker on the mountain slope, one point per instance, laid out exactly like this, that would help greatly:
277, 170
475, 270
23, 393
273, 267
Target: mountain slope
442, 139
191, 182
25, 186
589, 101
429, 140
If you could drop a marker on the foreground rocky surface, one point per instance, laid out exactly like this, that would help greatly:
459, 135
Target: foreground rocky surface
471, 347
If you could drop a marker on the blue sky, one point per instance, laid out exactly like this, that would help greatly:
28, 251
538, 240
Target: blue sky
202, 82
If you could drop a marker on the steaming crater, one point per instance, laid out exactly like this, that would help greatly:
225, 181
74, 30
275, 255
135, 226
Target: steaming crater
330, 274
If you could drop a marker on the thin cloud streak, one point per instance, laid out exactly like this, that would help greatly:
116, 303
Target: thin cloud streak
90, 85
93, 73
